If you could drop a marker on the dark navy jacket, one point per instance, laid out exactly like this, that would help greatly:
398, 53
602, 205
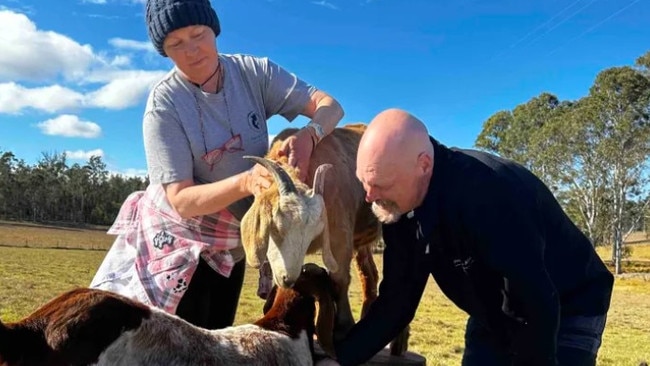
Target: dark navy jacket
499, 246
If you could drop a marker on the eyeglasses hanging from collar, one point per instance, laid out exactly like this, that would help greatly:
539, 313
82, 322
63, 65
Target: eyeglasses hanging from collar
233, 144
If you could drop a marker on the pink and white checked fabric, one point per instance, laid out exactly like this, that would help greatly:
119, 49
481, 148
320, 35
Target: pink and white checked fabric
156, 252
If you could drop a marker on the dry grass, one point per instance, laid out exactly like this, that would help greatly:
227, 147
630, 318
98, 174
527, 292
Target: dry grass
639, 254
32, 276
49, 236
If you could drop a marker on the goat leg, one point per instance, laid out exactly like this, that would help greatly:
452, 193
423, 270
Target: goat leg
368, 276
400, 344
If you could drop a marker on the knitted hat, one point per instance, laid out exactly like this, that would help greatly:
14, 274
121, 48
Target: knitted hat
165, 16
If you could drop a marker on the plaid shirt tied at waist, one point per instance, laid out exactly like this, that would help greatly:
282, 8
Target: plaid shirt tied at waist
156, 252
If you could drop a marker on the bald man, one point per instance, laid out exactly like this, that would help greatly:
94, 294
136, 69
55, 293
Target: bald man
495, 240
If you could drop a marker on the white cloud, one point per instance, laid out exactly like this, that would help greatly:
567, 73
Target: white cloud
129, 44
325, 4
32, 54
124, 89
84, 155
68, 125
90, 80
120, 61
14, 98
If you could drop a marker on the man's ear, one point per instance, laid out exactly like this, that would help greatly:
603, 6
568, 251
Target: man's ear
425, 163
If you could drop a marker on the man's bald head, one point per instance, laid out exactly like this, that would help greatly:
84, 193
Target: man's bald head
395, 137
394, 163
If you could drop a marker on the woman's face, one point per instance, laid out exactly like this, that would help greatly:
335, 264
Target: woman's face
194, 51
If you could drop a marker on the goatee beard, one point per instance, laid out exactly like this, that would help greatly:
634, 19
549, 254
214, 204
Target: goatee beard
386, 211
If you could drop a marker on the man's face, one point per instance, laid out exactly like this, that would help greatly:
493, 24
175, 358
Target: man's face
387, 190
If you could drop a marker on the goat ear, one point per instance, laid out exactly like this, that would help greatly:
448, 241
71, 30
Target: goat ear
326, 319
255, 234
328, 257
319, 178
318, 189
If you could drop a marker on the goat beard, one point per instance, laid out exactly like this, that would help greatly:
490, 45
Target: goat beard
386, 211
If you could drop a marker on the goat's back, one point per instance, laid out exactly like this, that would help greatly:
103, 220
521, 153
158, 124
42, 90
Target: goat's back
344, 195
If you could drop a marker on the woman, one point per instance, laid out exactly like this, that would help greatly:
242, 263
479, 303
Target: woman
178, 244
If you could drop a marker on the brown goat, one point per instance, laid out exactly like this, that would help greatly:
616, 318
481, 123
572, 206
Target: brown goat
90, 326
290, 220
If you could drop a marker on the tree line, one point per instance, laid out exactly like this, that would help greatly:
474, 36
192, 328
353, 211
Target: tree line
593, 152
51, 190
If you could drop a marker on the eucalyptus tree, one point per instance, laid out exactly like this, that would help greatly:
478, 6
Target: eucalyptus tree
509, 133
78, 188
524, 135
618, 111
643, 64
593, 153
564, 154
7, 161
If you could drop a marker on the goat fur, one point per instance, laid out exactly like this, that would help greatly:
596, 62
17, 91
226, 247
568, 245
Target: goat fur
95, 327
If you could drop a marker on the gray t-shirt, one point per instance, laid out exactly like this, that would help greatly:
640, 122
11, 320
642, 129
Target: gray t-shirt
182, 123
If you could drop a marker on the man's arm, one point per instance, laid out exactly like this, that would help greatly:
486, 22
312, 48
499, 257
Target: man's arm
405, 275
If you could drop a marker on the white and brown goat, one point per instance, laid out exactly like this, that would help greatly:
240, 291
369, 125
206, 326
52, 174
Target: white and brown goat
95, 327
292, 218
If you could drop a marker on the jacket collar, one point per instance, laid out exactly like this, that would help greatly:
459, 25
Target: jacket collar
426, 213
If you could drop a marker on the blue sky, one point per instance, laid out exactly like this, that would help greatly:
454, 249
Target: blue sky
74, 74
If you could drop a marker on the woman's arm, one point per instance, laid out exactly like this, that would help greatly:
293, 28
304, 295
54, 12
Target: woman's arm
189, 199
325, 112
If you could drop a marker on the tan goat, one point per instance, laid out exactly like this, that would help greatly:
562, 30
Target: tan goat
288, 222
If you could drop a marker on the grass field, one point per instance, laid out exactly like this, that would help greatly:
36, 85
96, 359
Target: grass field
33, 272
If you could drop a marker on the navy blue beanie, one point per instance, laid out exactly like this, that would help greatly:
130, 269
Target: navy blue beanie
165, 16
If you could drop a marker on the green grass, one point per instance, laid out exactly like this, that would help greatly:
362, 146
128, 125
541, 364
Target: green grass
32, 276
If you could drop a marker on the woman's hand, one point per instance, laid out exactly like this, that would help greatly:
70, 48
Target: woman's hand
257, 179
298, 149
